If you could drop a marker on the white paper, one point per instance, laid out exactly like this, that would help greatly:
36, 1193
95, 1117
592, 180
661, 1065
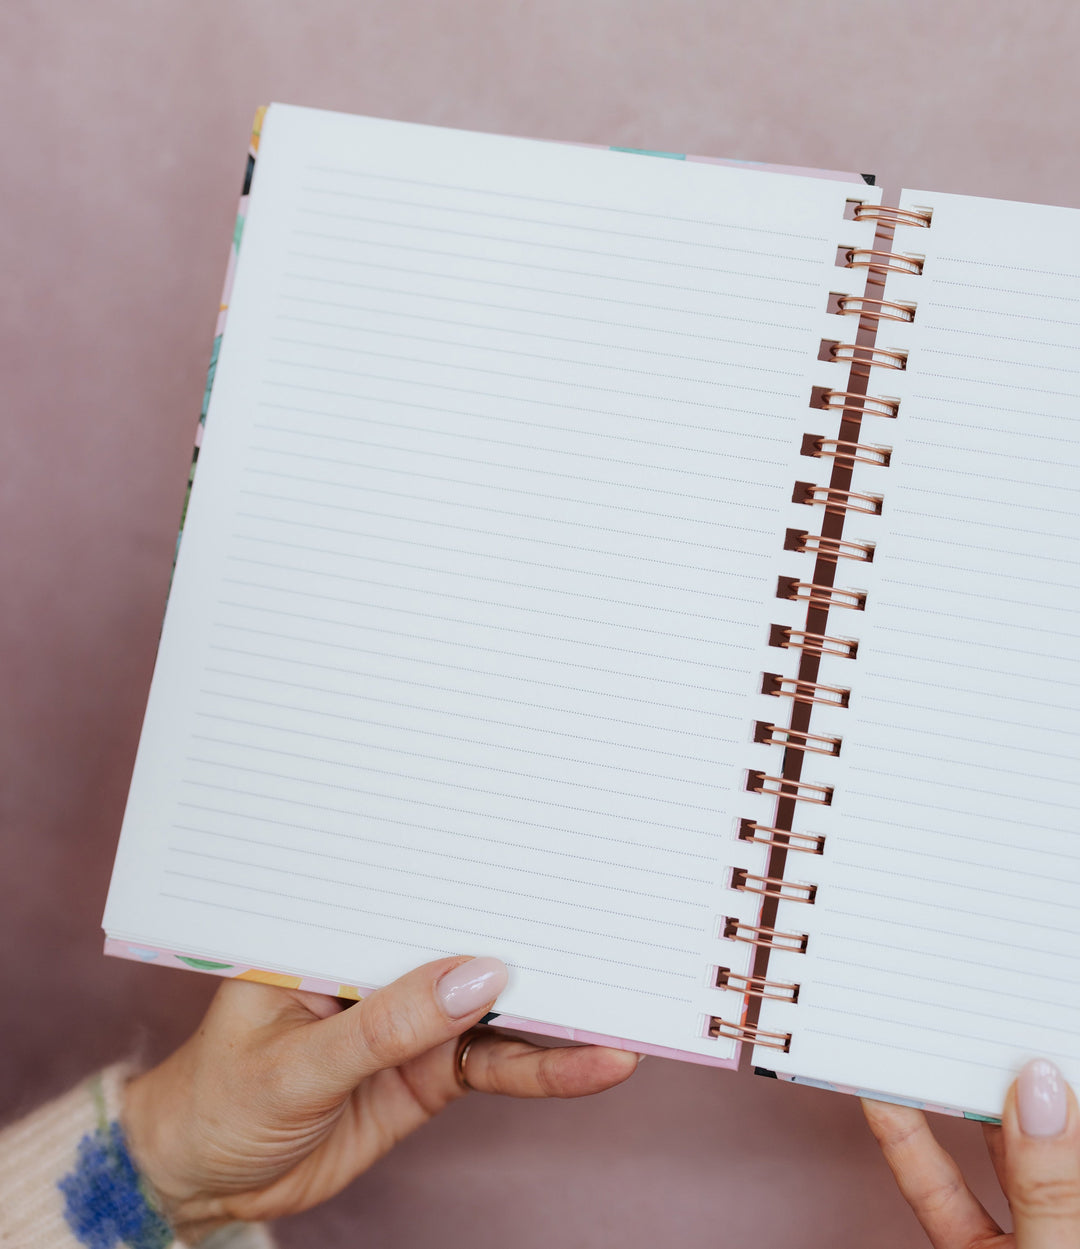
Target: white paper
945, 942
464, 642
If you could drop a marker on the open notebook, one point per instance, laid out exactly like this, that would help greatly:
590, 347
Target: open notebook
637, 570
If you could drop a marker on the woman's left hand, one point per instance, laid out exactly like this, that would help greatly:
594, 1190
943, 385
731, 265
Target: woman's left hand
282, 1097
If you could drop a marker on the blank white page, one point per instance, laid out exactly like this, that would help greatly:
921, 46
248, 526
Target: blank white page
478, 568
945, 943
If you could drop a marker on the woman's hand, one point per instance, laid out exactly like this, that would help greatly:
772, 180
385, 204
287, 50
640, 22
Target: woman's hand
282, 1097
1035, 1152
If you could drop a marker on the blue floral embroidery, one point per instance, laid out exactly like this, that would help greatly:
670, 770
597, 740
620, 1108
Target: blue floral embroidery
104, 1201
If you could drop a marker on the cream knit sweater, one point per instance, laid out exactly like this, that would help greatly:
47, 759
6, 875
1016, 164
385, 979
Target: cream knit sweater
65, 1184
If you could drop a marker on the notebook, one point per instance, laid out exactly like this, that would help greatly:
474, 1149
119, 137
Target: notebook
660, 574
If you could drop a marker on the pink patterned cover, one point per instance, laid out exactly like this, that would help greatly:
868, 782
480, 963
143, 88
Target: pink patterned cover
119, 948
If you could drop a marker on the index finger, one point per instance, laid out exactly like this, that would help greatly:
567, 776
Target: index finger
931, 1183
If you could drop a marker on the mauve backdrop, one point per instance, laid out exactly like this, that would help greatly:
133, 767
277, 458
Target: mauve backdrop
121, 149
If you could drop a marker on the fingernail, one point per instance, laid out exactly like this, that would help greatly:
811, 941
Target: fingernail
470, 986
641, 1059
1040, 1099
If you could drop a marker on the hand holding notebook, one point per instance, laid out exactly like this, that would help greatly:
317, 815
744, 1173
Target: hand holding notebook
536, 483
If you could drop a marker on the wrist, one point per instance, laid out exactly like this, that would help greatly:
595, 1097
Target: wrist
155, 1126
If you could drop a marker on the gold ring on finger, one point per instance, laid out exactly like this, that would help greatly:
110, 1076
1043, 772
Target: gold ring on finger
461, 1056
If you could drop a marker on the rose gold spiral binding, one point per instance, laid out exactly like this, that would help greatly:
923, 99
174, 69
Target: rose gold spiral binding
820, 447
795, 739
767, 938
881, 261
757, 986
804, 691
772, 886
812, 643
893, 216
828, 548
850, 401
882, 310
749, 1032
768, 835
871, 357
780, 787
819, 595
837, 500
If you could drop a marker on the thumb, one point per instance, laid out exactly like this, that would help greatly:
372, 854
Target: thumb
421, 1010
1041, 1135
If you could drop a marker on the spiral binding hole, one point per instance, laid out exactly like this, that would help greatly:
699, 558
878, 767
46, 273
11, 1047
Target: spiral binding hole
828, 548
864, 357
756, 986
812, 643
782, 787
820, 447
767, 938
809, 692
720, 1028
769, 835
795, 739
837, 500
879, 262
849, 401
891, 216
772, 887
819, 595
867, 308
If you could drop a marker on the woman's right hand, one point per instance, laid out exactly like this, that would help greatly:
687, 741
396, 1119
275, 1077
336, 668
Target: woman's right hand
1036, 1155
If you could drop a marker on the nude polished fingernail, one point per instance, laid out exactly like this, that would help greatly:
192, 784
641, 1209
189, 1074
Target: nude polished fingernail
1041, 1099
470, 986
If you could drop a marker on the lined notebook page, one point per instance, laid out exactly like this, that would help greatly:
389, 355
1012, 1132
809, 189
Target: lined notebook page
945, 944
466, 624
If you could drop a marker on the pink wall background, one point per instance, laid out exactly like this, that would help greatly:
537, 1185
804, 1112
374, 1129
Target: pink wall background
121, 151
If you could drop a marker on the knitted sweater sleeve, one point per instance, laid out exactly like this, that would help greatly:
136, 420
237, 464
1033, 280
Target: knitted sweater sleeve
67, 1181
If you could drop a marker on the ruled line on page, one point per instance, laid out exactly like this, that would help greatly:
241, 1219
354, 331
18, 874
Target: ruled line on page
565, 663
550, 381
475, 507
543, 245
507, 421
719, 501
1010, 869
455, 857
441, 925
294, 431
535, 312
413, 317
448, 831
544, 729
472, 789
502, 628
410, 659
896, 873
531, 221
592, 296
474, 766
948, 982
488, 349
412, 249
775, 417
967, 568
948, 958
607, 553
365, 886
431, 951
447, 737
485, 556
948, 1008
618, 210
